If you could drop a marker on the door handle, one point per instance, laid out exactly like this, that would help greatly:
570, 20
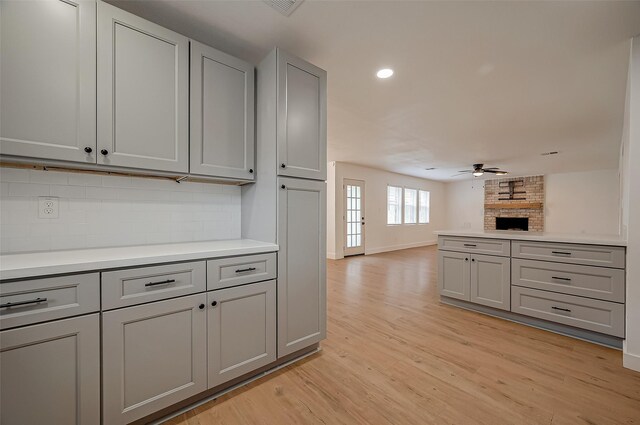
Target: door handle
18, 303
162, 282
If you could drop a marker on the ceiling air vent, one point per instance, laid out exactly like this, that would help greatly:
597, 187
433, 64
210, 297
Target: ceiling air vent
286, 7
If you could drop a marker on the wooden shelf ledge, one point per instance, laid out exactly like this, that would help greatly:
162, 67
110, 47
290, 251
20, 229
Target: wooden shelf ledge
515, 205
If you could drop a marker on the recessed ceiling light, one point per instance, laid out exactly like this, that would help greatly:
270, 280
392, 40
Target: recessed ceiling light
385, 73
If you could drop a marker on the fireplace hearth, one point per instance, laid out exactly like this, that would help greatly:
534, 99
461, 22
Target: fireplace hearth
512, 223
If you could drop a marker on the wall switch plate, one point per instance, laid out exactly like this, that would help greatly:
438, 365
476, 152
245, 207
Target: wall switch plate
48, 207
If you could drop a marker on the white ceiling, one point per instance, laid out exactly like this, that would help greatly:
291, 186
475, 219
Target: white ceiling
491, 82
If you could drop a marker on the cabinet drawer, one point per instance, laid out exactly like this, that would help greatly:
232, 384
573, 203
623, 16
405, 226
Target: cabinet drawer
226, 272
140, 285
586, 313
587, 281
38, 300
489, 246
590, 255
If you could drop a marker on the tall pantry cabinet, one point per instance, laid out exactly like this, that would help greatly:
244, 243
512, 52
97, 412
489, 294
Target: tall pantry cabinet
287, 204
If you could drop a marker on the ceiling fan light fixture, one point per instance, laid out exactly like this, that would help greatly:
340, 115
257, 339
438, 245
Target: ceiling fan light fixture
478, 173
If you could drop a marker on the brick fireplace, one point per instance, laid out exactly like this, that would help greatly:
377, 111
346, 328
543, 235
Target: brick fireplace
517, 197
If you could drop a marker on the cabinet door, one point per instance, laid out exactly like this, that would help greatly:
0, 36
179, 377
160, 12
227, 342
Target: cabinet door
48, 79
153, 355
242, 330
491, 281
302, 304
222, 114
143, 90
51, 373
302, 118
454, 274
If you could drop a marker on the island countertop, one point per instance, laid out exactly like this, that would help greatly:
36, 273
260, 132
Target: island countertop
611, 240
28, 265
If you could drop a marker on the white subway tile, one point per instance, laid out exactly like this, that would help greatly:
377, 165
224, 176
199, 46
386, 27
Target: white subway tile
85, 179
116, 181
14, 175
28, 189
67, 191
48, 177
101, 193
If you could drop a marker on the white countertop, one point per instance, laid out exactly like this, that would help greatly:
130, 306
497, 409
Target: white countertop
17, 266
615, 240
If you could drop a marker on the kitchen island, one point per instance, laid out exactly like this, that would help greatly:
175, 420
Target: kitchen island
572, 284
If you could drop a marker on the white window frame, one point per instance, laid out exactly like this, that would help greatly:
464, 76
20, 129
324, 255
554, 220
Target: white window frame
428, 206
400, 205
404, 205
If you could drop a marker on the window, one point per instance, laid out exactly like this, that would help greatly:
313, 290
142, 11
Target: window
423, 207
410, 206
394, 205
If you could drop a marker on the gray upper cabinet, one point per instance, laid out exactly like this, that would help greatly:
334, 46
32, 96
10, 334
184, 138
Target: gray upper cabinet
154, 355
491, 281
301, 264
222, 114
302, 118
143, 91
242, 330
48, 79
51, 373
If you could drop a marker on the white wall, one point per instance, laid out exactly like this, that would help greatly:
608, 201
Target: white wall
379, 236
101, 211
631, 199
581, 202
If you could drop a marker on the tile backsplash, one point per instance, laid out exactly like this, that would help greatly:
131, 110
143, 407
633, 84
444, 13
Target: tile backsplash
102, 210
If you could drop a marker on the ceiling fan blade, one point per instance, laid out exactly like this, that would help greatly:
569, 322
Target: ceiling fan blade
465, 171
494, 171
491, 168
461, 174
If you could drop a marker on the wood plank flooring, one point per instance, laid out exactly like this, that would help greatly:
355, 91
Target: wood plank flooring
395, 355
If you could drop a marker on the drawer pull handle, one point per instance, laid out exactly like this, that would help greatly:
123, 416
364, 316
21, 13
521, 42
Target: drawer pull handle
561, 278
470, 244
561, 309
250, 269
162, 282
560, 253
36, 301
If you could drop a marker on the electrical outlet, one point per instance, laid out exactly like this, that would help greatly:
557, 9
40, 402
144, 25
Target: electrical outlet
47, 207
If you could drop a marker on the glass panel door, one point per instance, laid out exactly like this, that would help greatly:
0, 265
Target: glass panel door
354, 217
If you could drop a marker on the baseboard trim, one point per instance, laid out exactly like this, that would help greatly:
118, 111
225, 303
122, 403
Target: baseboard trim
631, 361
369, 251
332, 256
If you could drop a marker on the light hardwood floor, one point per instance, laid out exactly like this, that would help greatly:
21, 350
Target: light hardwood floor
395, 355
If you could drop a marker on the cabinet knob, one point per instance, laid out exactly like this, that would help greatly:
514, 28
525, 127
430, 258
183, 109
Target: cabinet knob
104, 152
201, 306
283, 187
88, 149
466, 259
473, 259
214, 303
251, 170
282, 165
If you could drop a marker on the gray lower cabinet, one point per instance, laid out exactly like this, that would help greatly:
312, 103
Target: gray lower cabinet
302, 302
491, 281
454, 276
222, 114
482, 279
241, 330
143, 93
48, 84
51, 373
154, 355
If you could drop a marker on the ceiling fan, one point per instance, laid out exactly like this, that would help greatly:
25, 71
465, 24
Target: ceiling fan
478, 170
